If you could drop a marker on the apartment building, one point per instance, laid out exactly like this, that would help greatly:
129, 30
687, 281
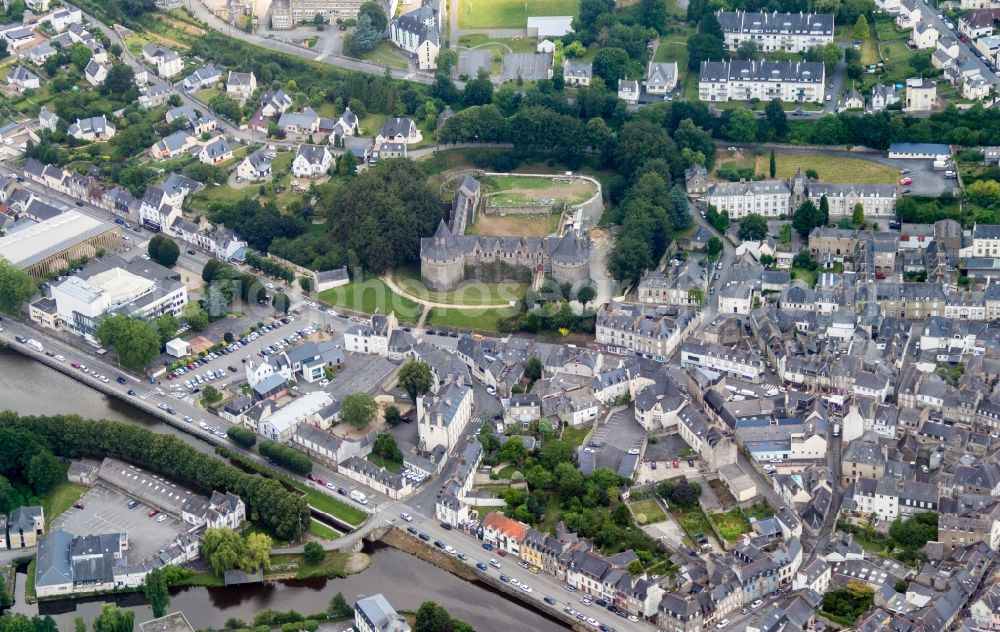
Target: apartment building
770, 198
742, 80
785, 32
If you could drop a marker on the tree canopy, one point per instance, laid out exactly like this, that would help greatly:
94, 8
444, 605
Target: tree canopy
415, 378
358, 410
136, 341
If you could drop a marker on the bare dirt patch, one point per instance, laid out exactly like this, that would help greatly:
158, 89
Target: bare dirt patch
515, 225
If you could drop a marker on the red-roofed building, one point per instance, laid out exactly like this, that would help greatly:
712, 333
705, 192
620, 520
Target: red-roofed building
504, 533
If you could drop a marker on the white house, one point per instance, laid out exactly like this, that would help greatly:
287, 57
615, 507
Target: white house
374, 614
661, 78
255, 167
441, 419
399, 130
168, 63
94, 129
311, 161
628, 90
417, 32
23, 79
95, 73
241, 85
215, 152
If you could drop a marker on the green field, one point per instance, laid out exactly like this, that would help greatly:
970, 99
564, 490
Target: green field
328, 504
651, 509
61, 498
509, 14
833, 169
468, 293
387, 55
372, 296
474, 318
692, 521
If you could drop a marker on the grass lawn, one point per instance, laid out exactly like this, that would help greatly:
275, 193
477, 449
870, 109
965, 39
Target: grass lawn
574, 436
468, 293
370, 296
506, 472
371, 123
61, 498
29, 582
731, 524
387, 55
516, 44
475, 318
886, 31
759, 511
509, 14
515, 225
692, 521
523, 190
830, 169
673, 48
319, 530
651, 509
869, 52
809, 276
286, 563
897, 62
207, 95
674, 9
334, 507
392, 466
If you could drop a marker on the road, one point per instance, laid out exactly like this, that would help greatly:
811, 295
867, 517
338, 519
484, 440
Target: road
929, 14
326, 57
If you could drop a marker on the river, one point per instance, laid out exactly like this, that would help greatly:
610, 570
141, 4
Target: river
29, 387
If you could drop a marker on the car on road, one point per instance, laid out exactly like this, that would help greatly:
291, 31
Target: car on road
407, 517
446, 526
412, 530
190, 251
569, 588
504, 578
153, 512
482, 566
550, 600
463, 556
487, 546
131, 392
78, 505
424, 536
906, 181
722, 624
450, 550
162, 518
494, 563
756, 604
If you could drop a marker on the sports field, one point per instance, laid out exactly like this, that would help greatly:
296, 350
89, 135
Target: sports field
510, 14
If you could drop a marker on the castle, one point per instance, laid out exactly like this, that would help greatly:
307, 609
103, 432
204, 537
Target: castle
451, 257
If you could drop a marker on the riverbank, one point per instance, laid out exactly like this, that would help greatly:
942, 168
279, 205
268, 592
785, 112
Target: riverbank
416, 547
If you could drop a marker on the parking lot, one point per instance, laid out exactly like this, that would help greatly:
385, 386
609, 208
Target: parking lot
470, 61
106, 511
528, 66
616, 437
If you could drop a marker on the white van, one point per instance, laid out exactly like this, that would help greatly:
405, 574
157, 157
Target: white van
358, 497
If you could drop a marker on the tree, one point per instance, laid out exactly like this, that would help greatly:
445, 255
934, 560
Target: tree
80, 56
741, 126
861, 30
415, 378
258, 552
223, 548
241, 436
136, 341
434, 618
804, 260
167, 326
313, 553
777, 121
586, 294
194, 316
375, 12
392, 416
319, 20
210, 395
653, 14
719, 221
213, 270
703, 47
747, 50
157, 593
446, 60
385, 447
114, 619
611, 64
163, 250
773, 165
358, 410
591, 11
858, 215
478, 91
753, 227
806, 218
280, 302
3, 49
824, 211
339, 608
44, 471
714, 248
16, 287
682, 493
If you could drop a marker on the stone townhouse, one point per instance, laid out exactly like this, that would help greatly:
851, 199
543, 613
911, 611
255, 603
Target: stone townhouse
504, 533
682, 285
770, 198
635, 330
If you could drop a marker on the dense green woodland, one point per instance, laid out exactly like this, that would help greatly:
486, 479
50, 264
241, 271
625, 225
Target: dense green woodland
279, 511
